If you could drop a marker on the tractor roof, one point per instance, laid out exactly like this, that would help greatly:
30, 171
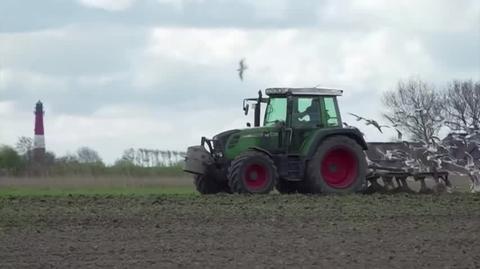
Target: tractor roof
303, 91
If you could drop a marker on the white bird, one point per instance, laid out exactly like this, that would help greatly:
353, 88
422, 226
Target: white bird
370, 122
369, 162
470, 162
422, 111
412, 163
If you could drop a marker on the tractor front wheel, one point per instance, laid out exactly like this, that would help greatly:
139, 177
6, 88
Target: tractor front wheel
252, 172
338, 166
211, 183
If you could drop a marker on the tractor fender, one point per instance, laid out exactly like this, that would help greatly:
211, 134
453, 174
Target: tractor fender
352, 133
261, 150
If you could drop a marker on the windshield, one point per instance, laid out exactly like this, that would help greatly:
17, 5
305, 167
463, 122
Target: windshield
276, 111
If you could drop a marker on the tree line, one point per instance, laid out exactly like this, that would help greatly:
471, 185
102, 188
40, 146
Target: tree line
18, 161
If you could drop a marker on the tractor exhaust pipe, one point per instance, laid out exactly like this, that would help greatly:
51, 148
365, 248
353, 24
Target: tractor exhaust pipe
256, 122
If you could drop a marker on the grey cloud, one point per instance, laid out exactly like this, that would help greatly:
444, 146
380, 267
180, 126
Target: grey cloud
455, 52
24, 15
15, 16
72, 50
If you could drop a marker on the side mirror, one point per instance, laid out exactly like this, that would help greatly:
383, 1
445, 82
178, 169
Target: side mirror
245, 109
248, 124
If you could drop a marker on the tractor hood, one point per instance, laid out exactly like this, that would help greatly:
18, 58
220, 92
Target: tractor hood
225, 135
220, 140
231, 141
238, 141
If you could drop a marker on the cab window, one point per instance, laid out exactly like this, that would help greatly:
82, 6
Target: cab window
306, 112
331, 112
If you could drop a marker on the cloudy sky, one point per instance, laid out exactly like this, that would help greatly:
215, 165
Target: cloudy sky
160, 74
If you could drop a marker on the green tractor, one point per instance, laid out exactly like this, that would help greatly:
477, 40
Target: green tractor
301, 147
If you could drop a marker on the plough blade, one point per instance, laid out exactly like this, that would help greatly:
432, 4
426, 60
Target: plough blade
398, 182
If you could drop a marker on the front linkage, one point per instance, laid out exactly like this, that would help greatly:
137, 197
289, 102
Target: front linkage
208, 167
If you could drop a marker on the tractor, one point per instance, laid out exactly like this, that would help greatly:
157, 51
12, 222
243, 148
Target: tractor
301, 147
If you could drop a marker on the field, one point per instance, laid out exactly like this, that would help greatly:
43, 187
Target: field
166, 224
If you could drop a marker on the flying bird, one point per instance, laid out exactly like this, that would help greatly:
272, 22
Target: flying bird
370, 122
376, 124
241, 69
358, 118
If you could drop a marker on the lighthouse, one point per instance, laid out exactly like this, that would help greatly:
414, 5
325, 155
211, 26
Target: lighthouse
39, 139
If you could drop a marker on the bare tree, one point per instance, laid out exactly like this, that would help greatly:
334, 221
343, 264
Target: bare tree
141, 157
128, 156
151, 157
88, 155
462, 106
163, 155
155, 153
50, 158
462, 112
138, 157
24, 147
67, 159
169, 156
175, 156
416, 108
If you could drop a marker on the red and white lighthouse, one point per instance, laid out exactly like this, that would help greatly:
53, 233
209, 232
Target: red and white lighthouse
39, 138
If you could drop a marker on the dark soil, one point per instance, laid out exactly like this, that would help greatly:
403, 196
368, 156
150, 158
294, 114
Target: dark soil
269, 231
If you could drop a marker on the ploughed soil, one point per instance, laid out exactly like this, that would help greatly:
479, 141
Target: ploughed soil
233, 231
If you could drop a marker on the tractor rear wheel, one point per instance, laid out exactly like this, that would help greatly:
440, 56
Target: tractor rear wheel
252, 172
206, 185
338, 166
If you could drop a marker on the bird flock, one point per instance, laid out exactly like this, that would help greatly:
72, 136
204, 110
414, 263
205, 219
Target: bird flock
458, 153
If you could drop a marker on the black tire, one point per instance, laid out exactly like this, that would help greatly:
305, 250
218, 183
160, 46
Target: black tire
256, 164
338, 166
286, 187
226, 187
210, 185
206, 185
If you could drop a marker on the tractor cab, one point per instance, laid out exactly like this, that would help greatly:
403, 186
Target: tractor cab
297, 107
297, 112
302, 107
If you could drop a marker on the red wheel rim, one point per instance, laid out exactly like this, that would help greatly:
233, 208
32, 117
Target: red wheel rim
256, 176
339, 168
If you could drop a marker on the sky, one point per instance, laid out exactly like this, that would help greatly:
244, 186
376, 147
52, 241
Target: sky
159, 74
